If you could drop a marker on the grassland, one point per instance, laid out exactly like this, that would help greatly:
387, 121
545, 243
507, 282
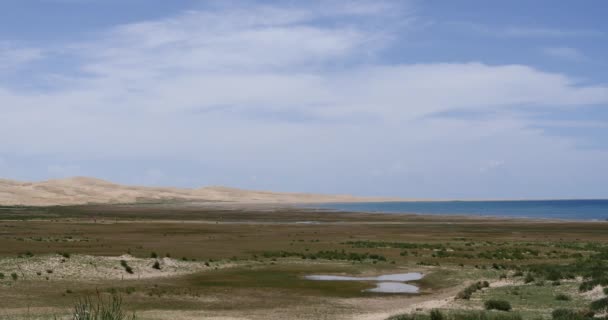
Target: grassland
177, 261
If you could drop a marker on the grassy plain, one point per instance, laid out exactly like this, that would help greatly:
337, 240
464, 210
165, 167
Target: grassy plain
248, 262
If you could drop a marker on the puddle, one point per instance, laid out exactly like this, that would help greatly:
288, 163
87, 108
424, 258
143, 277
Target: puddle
389, 283
393, 287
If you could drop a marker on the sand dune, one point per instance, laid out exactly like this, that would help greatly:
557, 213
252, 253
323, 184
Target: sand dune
84, 190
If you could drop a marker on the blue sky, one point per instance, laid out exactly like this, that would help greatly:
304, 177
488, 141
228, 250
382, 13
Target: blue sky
421, 99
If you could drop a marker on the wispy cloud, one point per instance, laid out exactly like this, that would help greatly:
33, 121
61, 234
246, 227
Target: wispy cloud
276, 78
566, 53
13, 56
548, 32
523, 31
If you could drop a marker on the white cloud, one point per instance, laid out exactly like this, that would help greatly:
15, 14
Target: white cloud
269, 92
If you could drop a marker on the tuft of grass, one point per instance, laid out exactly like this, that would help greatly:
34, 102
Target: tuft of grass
101, 309
501, 305
437, 315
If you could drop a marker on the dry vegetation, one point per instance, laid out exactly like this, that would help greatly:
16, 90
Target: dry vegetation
170, 261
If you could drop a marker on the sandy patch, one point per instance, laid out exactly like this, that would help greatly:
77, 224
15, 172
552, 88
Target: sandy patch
86, 267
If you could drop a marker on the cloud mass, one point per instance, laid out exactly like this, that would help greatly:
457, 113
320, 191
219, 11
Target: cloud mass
300, 98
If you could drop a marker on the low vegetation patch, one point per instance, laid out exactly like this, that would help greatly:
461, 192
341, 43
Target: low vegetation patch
459, 315
468, 291
101, 309
501, 305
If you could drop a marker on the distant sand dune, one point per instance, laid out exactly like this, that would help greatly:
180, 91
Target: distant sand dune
84, 190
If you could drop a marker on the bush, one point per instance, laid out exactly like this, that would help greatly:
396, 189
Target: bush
153, 255
600, 305
1, 275
65, 255
529, 278
101, 309
14, 276
606, 291
125, 265
562, 297
156, 265
501, 305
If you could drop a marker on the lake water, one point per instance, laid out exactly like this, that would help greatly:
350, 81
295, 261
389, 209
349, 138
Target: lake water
544, 209
389, 283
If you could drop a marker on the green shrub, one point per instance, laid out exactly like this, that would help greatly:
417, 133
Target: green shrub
600, 305
153, 255
65, 255
529, 278
501, 305
14, 276
562, 297
606, 291
1, 275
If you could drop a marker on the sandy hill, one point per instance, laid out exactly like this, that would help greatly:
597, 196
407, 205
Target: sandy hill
83, 190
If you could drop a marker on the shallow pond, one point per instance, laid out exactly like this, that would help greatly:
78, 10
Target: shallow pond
389, 283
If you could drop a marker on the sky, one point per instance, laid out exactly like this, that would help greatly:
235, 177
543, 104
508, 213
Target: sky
419, 99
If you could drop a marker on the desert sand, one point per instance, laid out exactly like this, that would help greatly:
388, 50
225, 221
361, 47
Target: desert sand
84, 190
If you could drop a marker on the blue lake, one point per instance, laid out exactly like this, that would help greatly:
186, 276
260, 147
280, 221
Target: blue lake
547, 209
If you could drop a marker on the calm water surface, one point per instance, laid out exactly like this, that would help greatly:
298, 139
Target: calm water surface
546, 209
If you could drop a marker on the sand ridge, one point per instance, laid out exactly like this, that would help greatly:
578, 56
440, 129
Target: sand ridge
85, 190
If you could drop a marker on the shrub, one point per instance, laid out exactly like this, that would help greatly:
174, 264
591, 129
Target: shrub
49, 270
518, 273
156, 265
1, 275
153, 255
65, 255
600, 305
101, 309
606, 291
125, 265
14, 276
501, 305
562, 297
529, 278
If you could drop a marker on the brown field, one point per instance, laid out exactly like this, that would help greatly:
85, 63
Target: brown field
245, 263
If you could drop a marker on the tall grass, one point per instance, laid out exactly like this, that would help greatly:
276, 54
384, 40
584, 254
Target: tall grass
101, 309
